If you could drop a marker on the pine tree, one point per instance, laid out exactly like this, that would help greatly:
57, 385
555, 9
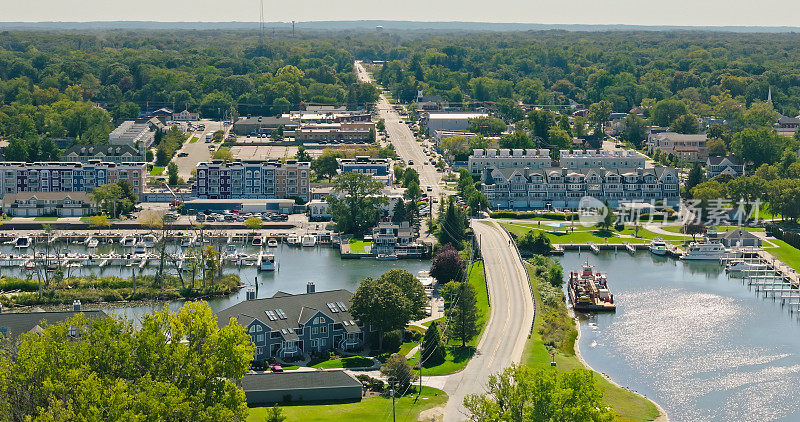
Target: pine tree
432, 349
464, 314
399, 212
452, 226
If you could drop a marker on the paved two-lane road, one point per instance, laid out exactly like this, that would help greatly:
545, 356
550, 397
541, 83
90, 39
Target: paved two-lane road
510, 318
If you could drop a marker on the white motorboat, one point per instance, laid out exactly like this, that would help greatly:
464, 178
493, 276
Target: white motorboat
92, 243
128, 241
309, 240
272, 243
140, 248
386, 257
266, 262
705, 251
293, 240
658, 247
23, 242
737, 266
230, 250
258, 241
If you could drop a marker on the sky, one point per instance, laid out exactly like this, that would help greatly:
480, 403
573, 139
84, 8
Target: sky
632, 12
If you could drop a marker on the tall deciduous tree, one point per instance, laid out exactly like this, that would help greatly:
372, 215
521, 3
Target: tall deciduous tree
176, 366
355, 207
522, 393
447, 265
464, 314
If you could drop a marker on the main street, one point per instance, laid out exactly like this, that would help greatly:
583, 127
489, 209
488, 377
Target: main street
510, 318
511, 313
405, 143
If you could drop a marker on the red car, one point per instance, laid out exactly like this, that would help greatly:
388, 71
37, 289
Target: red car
276, 368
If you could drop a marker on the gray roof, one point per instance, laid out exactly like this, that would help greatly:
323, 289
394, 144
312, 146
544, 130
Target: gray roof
292, 380
47, 196
298, 309
714, 161
738, 234
107, 150
788, 120
16, 323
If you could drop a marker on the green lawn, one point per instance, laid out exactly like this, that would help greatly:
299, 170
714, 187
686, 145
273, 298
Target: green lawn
379, 408
785, 252
193, 140
157, 171
406, 347
348, 362
358, 246
628, 405
457, 357
45, 218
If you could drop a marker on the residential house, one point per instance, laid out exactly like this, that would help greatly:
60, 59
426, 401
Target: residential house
690, 148
287, 326
108, 153
735, 238
787, 125
14, 324
59, 204
724, 165
389, 238
185, 116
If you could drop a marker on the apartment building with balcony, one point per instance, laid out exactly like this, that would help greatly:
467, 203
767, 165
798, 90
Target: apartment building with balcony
508, 158
262, 179
16, 177
690, 148
563, 188
379, 168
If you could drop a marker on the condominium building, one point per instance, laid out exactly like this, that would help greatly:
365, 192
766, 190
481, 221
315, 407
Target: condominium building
69, 177
579, 159
508, 158
252, 179
690, 148
449, 121
379, 168
563, 188
134, 133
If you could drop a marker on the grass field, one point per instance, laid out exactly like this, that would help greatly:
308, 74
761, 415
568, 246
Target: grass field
580, 234
785, 252
193, 140
379, 408
457, 357
628, 405
348, 362
358, 246
157, 171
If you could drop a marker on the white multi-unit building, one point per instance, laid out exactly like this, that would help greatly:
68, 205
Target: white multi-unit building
508, 158
524, 188
540, 158
135, 134
449, 121
580, 159
690, 148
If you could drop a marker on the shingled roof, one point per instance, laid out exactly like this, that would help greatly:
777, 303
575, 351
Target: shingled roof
284, 312
12, 324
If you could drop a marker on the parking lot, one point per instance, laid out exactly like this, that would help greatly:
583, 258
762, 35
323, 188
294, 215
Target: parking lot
266, 152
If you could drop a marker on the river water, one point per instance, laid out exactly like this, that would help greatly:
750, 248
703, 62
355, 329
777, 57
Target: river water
702, 345
296, 267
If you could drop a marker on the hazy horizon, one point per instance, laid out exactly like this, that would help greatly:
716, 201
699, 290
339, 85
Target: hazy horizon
769, 13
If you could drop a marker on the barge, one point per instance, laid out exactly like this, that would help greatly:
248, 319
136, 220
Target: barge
588, 291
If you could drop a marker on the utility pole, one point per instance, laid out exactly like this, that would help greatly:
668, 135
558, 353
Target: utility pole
394, 417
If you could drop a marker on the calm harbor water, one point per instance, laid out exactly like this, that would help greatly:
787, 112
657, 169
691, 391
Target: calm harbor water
702, 345
296, 267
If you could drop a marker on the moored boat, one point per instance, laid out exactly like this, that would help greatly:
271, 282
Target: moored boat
705, 251
23, 242
293, 240
386, 257
272, 243
309, 240
266, 262
588, 291
658, 247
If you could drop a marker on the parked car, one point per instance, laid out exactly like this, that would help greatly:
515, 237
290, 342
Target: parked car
201, 218
276, 368
183, 154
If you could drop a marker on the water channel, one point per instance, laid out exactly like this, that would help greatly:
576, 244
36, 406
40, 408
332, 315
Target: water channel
701, 344
296, 266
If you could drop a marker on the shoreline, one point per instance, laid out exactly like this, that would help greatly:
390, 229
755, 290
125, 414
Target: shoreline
662, 417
